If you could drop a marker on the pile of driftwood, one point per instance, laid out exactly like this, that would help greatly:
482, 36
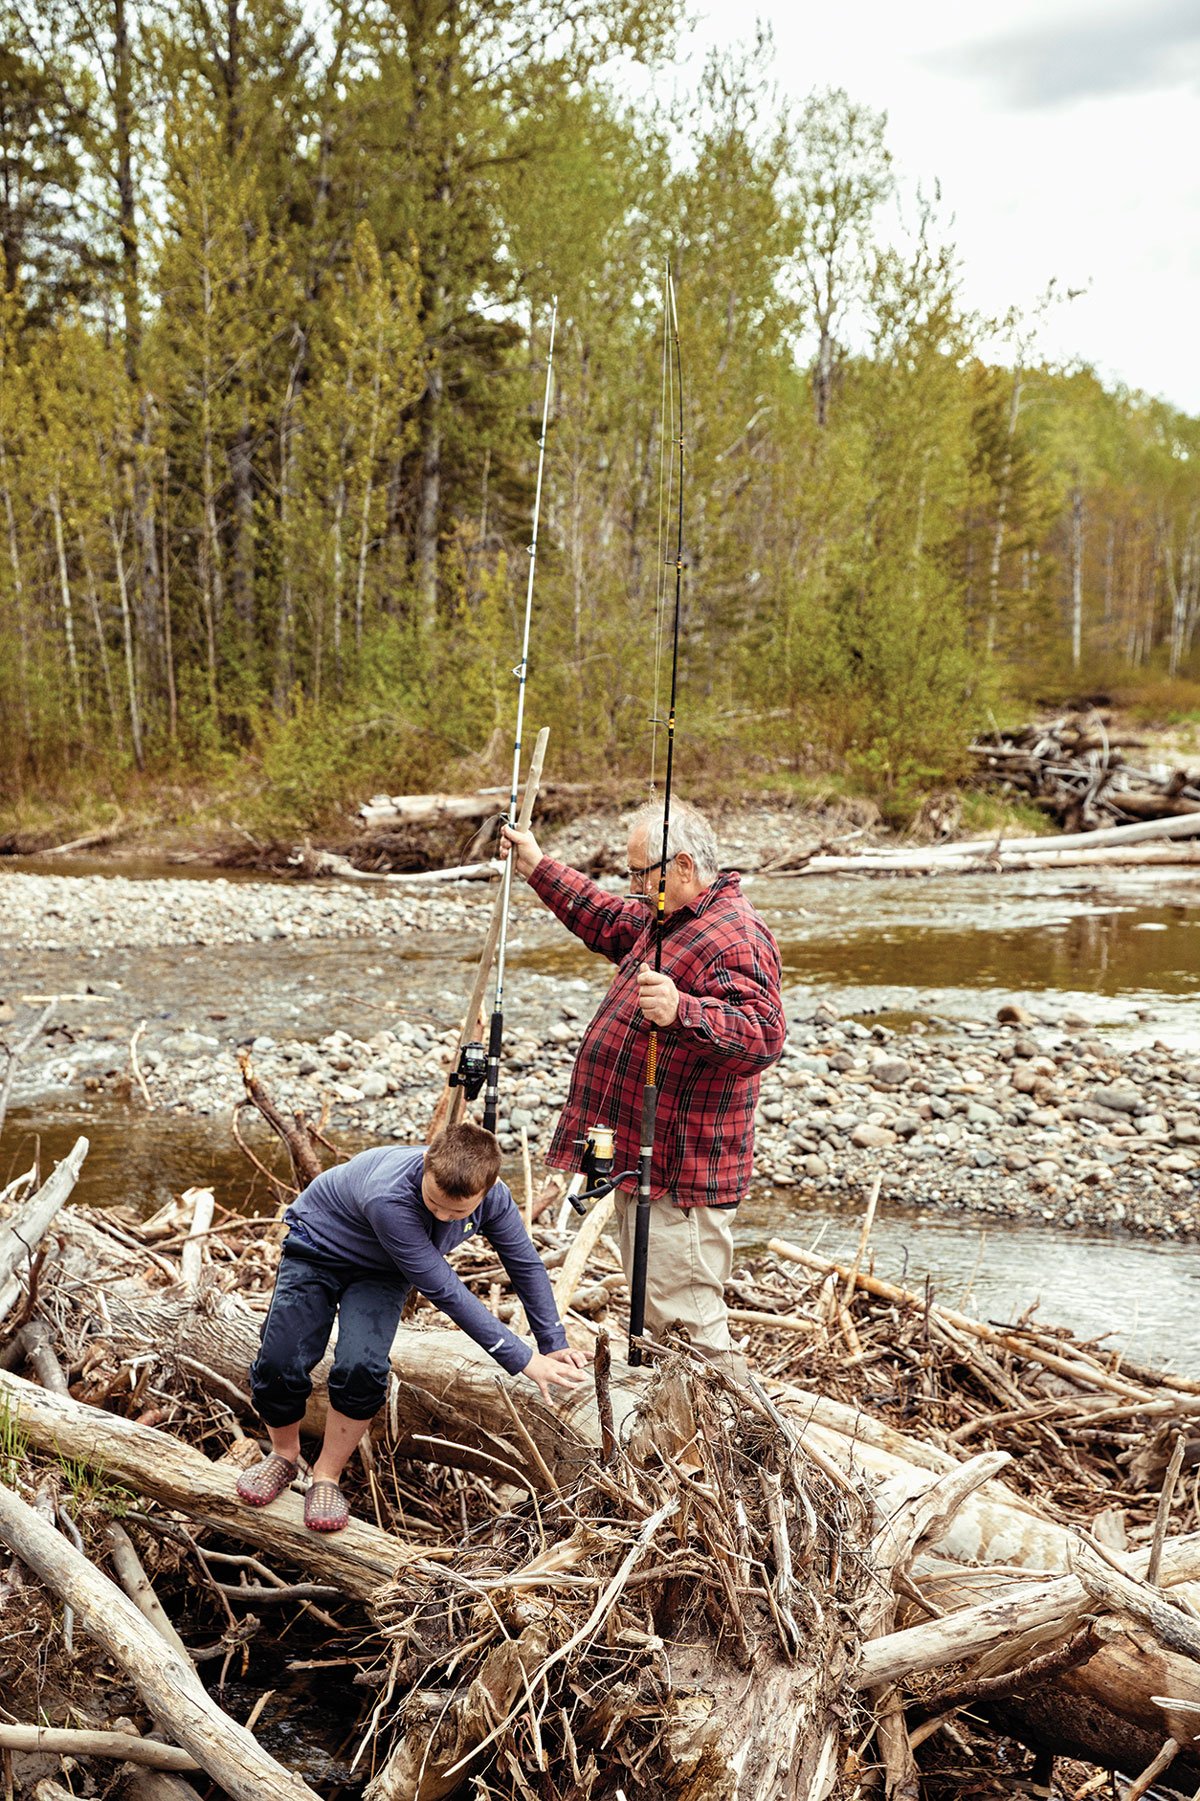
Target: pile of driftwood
1074, 768
1112, 813
909, 1546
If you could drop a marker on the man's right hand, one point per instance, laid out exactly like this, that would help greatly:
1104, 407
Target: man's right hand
524, 847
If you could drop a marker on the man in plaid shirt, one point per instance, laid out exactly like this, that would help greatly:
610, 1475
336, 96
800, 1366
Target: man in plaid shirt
717, 1006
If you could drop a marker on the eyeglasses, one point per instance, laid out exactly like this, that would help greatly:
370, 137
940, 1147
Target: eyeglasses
636, 875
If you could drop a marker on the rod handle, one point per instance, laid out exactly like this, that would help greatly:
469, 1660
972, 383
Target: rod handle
491, 1091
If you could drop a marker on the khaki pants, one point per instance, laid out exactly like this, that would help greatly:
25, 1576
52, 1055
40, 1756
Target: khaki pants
687, 1266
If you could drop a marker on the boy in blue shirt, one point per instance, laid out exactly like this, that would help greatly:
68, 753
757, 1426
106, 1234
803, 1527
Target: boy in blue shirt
360, 1238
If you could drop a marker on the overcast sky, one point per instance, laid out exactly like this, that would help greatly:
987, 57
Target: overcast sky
1065, 135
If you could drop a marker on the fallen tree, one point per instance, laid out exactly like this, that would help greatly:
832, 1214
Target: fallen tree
156, 1465
1127, 844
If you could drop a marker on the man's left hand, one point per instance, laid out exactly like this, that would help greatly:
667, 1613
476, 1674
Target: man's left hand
658, 996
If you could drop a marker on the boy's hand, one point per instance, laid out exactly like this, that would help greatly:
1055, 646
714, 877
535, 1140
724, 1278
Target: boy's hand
524, 847
562, 1369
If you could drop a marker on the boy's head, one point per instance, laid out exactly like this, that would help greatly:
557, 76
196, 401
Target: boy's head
461, 1165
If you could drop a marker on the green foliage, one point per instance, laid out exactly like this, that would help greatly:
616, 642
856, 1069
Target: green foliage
268, 447
1160, 702
14, 1444
311, 761
985, 811
91, 1491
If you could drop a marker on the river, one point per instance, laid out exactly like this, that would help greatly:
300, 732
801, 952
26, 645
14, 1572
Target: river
1120, 953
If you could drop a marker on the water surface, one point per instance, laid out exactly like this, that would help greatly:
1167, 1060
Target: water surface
1122, 953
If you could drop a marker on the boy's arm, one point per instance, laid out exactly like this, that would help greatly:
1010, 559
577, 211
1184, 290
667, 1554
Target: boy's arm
428, 1271
609, 924
504, 1230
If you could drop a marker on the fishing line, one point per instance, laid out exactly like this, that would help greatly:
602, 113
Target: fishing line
496, 1029
660, 564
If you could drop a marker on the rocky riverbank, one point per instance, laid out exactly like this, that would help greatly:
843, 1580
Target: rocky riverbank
99, 913
1015, 1123
1029, 1117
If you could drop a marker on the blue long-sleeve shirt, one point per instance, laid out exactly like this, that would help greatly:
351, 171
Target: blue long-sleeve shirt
370, 1211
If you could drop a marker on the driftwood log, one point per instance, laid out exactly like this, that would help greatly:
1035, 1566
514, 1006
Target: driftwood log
1127, 844
124, 1747
448, 1405
384, 811
168, 1684
21, 1236
160, 1467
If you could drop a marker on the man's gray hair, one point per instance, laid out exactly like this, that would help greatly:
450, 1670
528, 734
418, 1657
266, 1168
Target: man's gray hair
690, 832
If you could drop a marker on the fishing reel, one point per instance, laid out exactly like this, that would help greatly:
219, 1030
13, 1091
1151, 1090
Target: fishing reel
471, 1073
599, 1155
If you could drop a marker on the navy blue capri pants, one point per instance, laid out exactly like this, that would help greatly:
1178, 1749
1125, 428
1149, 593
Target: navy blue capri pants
309, 1291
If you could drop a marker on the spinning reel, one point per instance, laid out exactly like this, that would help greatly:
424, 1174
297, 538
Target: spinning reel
471, 1073
599, 1155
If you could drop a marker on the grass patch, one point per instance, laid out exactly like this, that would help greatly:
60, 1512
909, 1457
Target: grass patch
1161, 703
983, 812
14, 1445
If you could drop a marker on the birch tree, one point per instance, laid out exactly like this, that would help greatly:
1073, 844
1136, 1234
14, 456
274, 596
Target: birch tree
843, 175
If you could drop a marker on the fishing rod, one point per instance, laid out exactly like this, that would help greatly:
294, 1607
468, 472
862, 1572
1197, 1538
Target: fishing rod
641, 1228
496, 1028
469, 1073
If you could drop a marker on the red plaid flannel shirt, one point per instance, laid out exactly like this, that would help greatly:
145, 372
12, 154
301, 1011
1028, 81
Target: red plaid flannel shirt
725, 963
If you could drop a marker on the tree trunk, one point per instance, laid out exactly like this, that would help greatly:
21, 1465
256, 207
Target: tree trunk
1076, 577
435, 51
1191, 574
429, 503
147, 581
823, 373
241, 472
364, 527
149, 578
64, 584
168, 641
1002, 499
14, 557
135, 713
90, 589
285, 650
1184, 587
211, 577
339, 516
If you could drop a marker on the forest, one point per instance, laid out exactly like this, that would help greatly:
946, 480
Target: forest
274, 310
